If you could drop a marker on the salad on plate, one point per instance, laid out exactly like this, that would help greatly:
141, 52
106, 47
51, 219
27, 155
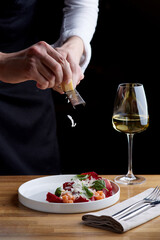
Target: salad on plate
84, 187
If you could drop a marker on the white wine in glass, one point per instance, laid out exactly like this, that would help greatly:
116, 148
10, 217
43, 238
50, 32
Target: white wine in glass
130, 115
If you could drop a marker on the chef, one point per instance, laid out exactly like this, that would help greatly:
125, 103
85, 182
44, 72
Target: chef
31, 70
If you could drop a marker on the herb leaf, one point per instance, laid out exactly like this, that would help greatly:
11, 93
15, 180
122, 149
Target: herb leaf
88, 193
58, 192
82, 177
99, 185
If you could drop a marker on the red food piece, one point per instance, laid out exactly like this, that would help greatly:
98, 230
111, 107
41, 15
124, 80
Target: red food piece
108, 184
93, 198
109, 187
91, 174
80, 199
53, 198
67, 185
107, 193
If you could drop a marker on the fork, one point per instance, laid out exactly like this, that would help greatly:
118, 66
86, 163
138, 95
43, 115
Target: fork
138, 211
153, 196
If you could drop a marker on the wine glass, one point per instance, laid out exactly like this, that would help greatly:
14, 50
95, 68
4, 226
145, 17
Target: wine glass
130, 115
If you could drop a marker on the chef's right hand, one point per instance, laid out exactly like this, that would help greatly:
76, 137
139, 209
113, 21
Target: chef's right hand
40, 62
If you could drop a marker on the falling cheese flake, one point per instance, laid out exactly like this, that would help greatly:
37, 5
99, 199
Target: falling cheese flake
73, 124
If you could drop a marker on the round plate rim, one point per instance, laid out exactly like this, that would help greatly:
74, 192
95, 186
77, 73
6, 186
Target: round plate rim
65, 207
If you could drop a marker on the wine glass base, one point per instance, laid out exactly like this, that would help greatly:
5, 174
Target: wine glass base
124, 179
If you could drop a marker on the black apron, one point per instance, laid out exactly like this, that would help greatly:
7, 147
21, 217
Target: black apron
28, 141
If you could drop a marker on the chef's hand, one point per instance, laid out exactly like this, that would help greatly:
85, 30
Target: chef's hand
39, 62
72, 51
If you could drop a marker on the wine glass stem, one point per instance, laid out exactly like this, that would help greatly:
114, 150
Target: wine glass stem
130, 147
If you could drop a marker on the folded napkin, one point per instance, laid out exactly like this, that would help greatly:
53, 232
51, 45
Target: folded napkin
103, 219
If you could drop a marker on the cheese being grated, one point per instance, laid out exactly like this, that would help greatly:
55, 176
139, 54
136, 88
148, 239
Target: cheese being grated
73, 124
67, 87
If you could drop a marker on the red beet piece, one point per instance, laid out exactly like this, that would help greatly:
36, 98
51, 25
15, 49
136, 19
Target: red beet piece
80, 199
109, 187
91, 174
67, 185
53, 198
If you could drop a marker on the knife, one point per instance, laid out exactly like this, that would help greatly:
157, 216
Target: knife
139, 210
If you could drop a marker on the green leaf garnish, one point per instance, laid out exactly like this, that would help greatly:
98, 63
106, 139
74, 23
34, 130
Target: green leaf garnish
58, 192
99, 185
88, 193
82, 177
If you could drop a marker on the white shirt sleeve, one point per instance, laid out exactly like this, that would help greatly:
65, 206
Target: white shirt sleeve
80, 19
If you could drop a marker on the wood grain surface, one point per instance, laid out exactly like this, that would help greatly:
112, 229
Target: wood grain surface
18, 222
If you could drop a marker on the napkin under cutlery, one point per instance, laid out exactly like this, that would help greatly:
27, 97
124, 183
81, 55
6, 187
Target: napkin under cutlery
103, 219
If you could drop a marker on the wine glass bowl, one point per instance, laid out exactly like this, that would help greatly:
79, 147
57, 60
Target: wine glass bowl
130, 116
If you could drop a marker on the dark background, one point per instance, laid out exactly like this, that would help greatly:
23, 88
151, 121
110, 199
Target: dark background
125, 48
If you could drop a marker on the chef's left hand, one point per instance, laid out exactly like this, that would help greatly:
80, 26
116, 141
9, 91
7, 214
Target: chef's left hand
72, 51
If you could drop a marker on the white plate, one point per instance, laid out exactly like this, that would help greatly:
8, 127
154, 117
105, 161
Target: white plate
32, 194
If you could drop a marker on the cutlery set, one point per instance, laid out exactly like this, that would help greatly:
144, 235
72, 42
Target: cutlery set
142, 205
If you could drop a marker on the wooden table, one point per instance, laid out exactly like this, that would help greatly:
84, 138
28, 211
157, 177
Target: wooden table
18, 222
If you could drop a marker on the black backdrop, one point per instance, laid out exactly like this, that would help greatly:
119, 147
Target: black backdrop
125, 48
